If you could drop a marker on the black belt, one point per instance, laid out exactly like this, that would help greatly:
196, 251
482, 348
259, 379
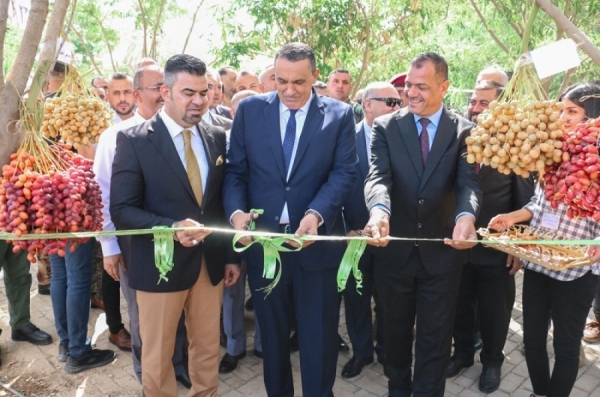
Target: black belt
285, 228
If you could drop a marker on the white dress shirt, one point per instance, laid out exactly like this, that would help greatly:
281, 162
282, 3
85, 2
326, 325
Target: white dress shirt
103, 160
368, 136
284, 116
206, 117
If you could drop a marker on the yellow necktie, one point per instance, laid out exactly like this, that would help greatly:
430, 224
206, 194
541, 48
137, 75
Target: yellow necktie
193, 170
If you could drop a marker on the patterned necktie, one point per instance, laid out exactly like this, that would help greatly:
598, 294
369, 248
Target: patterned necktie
289, 139
424, 139
193, 170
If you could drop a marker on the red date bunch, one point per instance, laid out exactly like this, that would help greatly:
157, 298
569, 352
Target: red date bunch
575, 182
36, 198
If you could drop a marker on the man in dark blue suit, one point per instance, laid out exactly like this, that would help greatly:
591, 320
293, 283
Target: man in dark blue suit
293, 154
379, 99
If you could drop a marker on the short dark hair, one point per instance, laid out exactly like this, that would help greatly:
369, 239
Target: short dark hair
120, 76
182, 63
297, 52
440, 64
96, 78
486, 85
339, 70
224, 69
578, 94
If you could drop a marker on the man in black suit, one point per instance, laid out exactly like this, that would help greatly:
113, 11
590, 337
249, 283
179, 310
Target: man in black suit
379, 99
487, 277
168, 172
420, 186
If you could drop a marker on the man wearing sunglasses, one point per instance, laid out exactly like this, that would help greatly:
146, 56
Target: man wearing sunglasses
378, 99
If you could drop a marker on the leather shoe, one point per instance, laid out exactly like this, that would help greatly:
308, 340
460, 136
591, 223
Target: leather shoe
456, 365
32, 334
489, 381
294, 347
121, 339
258, 354
229, 363
44, 289
354, 367
97, 304
343, 346
185, 380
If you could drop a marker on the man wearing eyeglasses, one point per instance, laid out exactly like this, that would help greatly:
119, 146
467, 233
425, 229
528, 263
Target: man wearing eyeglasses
378, 99
146, 83
120, 96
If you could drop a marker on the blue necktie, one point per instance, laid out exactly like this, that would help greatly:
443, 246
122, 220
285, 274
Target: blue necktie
289, 139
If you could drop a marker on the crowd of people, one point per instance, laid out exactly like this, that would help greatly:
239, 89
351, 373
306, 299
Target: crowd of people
193, 146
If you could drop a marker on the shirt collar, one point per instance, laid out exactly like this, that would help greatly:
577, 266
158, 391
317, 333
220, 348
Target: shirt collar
434, 119
283, 108
172, 126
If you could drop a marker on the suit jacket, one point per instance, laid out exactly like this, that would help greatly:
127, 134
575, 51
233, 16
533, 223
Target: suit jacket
321, 176
220, 121
501, 194
150, 187
424, 200
223, 111
356, 213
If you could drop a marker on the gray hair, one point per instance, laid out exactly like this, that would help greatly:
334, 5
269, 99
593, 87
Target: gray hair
241, 95
373, 87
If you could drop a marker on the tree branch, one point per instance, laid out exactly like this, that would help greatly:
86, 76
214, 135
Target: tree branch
572, 30
503, 9
490, 31
3, 21
86, 48
157, 24
187, 39
144, 28
110, 49
565, 82
367, 50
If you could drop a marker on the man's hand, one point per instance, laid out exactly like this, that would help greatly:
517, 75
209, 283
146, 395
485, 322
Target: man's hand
593, 253
232, 273
190, 238
111, 265
464, 230
308, 225
501, 222
514, 264
378, 227
240, 221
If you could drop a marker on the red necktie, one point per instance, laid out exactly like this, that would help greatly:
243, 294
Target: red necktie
424, 139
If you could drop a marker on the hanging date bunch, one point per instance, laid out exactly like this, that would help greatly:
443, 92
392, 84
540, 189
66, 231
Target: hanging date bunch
47, 189
575, 182
76, 115
520, 132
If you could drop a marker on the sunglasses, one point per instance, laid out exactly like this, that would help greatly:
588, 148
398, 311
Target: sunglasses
389, 102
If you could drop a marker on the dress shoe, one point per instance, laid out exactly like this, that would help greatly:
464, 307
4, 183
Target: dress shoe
294, 347
489, 381
456, 365
97, 304
32, 334
185, 380
121, 339
258, 354
44, 289
229, 363
343, 346
249, 304
354, 366
63, 353
92, 359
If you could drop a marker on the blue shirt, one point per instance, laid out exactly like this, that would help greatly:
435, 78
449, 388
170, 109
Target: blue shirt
434, 122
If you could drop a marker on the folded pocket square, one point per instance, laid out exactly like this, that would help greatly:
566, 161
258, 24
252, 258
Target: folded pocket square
219, 160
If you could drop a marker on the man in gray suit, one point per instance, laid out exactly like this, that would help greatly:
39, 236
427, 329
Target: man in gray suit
210, 117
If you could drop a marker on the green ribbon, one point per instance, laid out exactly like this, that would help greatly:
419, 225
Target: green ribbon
349, 264
163, 251
271, 249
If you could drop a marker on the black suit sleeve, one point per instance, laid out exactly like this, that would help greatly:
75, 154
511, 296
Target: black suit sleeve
378, 183
127, 191
468, 187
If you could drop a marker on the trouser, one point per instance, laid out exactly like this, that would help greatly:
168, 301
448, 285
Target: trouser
567, 304
17, 281
409, 293
596, 304
111, 297
493, 289
70, 290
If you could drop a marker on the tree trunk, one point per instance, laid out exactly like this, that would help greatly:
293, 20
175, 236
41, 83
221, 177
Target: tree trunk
12, 91
562, 22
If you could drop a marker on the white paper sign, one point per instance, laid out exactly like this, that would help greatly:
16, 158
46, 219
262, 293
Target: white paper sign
555, 58
66, 52
550, 221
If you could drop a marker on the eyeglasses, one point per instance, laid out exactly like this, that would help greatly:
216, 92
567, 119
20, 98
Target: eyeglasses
155, 87
389, 102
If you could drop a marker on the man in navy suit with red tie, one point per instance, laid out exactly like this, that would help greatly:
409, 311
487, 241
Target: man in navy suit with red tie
293, 154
